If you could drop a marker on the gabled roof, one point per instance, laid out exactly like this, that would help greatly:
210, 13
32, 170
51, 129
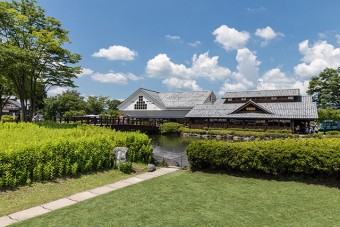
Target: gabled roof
262, 93
306, 109
173, 100
152, 95
184, 99
250, 102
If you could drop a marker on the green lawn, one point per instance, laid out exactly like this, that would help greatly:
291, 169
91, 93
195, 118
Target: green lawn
203, 199
39, 193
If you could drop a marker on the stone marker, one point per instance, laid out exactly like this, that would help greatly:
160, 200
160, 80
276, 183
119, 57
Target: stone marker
121, 154
151, 167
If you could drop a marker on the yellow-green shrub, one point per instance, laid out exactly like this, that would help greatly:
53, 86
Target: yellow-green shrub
31, 152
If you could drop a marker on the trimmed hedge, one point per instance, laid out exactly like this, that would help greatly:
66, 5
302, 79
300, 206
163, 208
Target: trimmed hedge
305, 157
170, 127
32, 152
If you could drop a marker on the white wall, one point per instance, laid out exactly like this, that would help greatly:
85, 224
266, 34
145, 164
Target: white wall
133, 101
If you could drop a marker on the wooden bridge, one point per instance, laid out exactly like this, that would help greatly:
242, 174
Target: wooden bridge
117, 123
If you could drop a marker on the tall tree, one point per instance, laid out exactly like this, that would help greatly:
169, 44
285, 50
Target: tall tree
31, 51
96, 105
5, 92
325, 88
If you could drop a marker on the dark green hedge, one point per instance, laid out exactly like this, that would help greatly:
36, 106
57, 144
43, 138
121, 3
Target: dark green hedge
306, 157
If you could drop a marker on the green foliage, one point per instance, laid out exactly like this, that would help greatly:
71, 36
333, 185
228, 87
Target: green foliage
7, 118
329, 114
32, 53
44, 151
96, 105
326, 88
306, 157
170, 127
260, 133
125, 167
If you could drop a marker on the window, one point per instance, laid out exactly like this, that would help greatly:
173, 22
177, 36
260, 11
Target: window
140, 104
250, 108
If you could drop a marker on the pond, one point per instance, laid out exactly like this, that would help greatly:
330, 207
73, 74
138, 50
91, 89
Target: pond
170, 149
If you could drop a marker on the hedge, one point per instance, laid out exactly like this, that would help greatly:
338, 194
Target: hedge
32, 152
305, 157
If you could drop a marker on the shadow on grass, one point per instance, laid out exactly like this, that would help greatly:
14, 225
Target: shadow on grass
327, 182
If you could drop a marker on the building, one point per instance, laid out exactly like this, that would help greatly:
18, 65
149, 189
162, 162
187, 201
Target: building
174, 106
270, 109
12, 106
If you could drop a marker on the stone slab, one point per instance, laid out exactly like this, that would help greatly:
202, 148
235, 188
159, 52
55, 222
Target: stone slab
5, 220
29, 213
57, 204
82, 196
102, 190
119, 184
146, 176
133, 180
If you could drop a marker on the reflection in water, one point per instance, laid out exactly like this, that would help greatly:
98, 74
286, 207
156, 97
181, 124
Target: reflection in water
171, 149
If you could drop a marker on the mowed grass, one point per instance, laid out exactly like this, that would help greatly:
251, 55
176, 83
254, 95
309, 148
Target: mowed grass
39, 193
204, 199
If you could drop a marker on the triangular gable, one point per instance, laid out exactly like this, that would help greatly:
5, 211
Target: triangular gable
251, 107
146, 93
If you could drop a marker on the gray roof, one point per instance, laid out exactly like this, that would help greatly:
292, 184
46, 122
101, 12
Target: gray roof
306, 109
173, 100
263, 93
156, 113
184, 99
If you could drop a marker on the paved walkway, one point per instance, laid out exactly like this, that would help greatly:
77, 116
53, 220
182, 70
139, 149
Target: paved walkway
60, 203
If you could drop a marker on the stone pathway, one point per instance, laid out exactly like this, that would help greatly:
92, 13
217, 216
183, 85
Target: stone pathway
60, 203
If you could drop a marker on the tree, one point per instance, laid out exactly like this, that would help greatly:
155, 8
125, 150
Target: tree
69, 103
325, 88
96, 105
113, 104
5, 92
329, 114
31, 52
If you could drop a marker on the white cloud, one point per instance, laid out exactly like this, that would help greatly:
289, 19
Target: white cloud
247, 74
267, 34
302, 85
85, 72
203, 66
275, 79
115, 78
230, 38
316, 58
181, 84
57, 91
337, 37
173, 37
257, 10
195, 44
116, 53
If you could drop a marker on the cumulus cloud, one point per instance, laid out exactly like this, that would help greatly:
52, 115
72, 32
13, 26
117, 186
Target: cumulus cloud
316, 58
302, 85
275, 79
230, 38
57, 91
114, 53
203, 66
247, 74
115, 78
85, 72
181, 84
267, 34
337, 37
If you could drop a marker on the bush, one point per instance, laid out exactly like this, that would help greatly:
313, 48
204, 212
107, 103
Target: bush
306, 157
170, 127
39, 152
7, 118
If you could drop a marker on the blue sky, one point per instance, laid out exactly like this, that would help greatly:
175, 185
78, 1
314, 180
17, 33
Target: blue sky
185, 45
